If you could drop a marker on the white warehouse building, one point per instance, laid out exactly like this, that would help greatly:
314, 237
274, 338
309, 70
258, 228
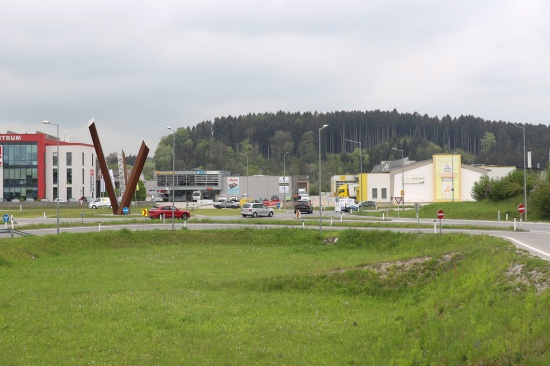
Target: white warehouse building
442, 179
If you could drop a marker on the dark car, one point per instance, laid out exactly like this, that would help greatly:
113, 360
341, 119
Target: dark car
303, 206
162, 197
166, 211
368, 204
227, 204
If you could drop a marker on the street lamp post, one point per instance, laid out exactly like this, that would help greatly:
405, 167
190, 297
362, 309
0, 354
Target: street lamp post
524, 174
284, 179
320, 207
402, 178
453, 175
57, 126
173, 172
363, 196
247, 187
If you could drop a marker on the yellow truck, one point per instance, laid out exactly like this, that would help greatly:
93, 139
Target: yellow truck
348, 190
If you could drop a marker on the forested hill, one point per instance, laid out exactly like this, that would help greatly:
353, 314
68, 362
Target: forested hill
265, 138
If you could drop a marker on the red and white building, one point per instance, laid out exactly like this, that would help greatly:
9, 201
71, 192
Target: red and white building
30, 167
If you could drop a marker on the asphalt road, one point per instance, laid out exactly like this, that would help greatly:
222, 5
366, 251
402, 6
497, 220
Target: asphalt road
532, 236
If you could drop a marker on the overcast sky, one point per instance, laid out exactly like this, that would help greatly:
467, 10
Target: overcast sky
137, 66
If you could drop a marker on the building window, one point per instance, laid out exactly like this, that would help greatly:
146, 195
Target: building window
82, 176
69, 176
54, 193
20, 171
55, 176
69, 158
54, 159
384, 193
69, 192
375, 193
82, 159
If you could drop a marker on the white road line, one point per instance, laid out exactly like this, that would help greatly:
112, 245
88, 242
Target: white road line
527, 246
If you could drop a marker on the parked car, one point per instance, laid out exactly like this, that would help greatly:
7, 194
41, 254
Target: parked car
222, 197
304, 197
303, 206
254, 209
227, 204
166, 211
87, 199
350, 208
100, 202
60, 200
367, 204
161, 197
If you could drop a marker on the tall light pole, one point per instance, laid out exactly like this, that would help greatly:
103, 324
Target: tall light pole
247, 189
453, 174
58, 172
320, 207
402, 178
284, 178
363, 196
524, 174
173, 171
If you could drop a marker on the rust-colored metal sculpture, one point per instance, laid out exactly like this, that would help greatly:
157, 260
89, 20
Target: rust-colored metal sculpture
134, 177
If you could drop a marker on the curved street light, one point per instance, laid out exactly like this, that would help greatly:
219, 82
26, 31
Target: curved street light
247, 189
56, 125
524, 174
320, 207
363, 196
173, 172
284, 179
402, 178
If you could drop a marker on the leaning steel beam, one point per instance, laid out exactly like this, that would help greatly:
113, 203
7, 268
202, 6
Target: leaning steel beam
134, 178
103, 166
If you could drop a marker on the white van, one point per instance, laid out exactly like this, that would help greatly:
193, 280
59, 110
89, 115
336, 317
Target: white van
100, 202
196, 196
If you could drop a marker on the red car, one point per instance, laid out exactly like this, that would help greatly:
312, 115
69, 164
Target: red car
166, 211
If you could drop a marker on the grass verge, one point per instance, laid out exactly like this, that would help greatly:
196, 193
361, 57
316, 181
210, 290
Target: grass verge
275, 296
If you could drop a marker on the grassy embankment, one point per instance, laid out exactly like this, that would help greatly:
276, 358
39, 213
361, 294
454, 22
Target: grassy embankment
271, 297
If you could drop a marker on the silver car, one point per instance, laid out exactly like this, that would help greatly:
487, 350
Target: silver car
254, 209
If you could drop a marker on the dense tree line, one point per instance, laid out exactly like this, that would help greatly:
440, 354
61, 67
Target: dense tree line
267, 141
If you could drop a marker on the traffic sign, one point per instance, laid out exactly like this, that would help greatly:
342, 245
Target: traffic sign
521, 208
144, 212
440, 214
125, 210
6, 217
398, 200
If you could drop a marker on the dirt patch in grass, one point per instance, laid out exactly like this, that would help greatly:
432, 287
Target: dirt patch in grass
519, 275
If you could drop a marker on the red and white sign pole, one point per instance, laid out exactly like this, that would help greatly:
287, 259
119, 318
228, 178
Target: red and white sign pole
440, 215
521, 210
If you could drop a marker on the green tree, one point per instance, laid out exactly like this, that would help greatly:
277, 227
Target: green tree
541, 195
488, 142
141, 194
480, 189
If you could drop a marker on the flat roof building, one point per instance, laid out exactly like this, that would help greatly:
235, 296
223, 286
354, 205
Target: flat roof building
30, 167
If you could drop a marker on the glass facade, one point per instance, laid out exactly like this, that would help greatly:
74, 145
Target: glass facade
20, 171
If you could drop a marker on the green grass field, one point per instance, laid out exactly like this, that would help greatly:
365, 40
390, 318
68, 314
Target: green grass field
271, 297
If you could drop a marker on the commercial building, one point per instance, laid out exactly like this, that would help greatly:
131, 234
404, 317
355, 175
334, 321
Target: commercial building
31, 169
212, 183
441, 179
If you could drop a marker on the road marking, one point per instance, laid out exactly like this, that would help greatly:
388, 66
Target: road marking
527, 246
